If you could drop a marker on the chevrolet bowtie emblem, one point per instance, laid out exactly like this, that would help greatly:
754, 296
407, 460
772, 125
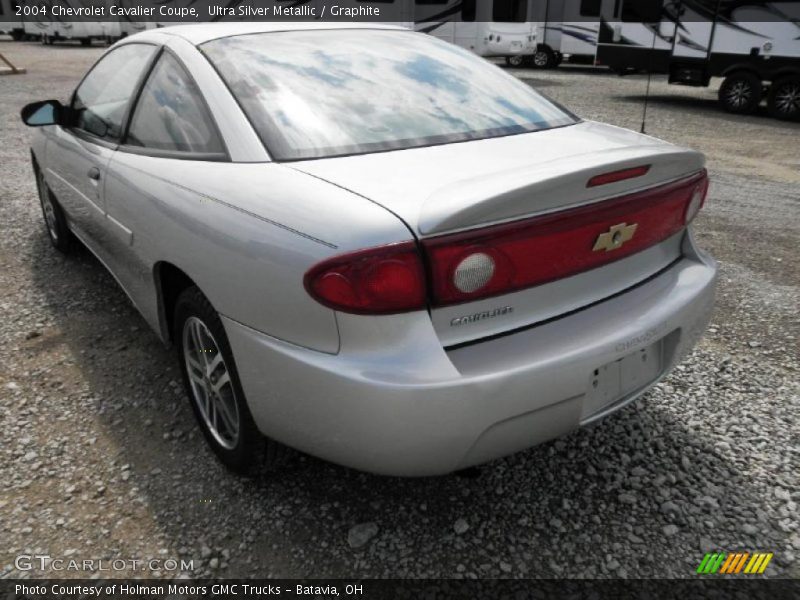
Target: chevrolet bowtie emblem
614, 237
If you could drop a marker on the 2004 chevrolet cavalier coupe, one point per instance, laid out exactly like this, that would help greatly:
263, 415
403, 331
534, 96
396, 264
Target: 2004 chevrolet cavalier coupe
371, 245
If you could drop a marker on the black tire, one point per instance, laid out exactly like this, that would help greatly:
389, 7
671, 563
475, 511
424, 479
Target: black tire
86, 41
741, 92
55, 221
17, 35
543, 58
516, 61
251, 452
783, 101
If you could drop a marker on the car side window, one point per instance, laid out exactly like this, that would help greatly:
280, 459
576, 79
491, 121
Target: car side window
101, 100
171, 115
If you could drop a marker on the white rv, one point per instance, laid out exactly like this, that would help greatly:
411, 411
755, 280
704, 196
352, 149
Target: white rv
128, 25
49, 27
567, 29
397, 12
11, 23
753, 44
487, 27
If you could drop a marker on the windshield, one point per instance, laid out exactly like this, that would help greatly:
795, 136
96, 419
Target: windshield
313, 94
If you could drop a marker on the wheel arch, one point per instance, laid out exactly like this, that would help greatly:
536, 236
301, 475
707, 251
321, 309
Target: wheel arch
170, 280
746, 67
785, 73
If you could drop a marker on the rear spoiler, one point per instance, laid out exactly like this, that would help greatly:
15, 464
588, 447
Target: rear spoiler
551, 185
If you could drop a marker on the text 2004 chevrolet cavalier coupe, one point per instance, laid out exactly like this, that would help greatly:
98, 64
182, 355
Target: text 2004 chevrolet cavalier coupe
374, 246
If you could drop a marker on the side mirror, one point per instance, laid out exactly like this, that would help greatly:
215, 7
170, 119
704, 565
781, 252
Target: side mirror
46, 112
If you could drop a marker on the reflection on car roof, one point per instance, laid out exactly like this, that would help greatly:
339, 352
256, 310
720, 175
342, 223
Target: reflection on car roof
199, 33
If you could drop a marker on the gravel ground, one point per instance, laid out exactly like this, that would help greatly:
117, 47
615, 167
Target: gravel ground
100, 456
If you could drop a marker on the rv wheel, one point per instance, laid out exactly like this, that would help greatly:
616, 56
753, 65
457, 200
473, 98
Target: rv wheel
86, 41
783, 101
544, 58
740, 92
515, 61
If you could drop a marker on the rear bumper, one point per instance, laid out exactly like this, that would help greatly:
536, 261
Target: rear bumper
416, 409
510, 46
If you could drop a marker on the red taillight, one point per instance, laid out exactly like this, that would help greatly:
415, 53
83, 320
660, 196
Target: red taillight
616, 176
697, 201
383, 280
505, 258
526, 253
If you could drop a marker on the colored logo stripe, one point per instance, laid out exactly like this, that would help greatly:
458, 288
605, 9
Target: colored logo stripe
731, 559
734, 563
711, 563
758, 563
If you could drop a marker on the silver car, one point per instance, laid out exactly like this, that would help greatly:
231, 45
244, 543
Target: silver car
371, 245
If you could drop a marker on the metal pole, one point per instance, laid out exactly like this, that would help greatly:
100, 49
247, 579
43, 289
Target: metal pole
12, 69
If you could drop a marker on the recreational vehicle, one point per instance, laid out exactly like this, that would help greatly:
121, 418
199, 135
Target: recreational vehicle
396, 12
128, 24
10, 22
49, 26
567, 29
488, 28
754, 45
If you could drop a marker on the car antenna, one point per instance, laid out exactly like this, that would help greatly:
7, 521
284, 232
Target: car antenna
649, 77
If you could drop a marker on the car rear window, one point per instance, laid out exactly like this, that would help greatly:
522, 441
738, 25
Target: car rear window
314, 94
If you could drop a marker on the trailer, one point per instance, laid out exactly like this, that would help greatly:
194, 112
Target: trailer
497, 28
10, 22
84, 32
753, 45
568, 29
49, 28
396, 12
129, 25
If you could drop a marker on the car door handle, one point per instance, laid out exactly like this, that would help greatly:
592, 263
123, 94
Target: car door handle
94, 173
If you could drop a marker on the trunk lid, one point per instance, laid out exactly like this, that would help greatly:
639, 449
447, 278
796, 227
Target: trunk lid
468, 186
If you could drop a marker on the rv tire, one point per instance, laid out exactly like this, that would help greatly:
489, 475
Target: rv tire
783, 101
741, 92
544, 58
516, 61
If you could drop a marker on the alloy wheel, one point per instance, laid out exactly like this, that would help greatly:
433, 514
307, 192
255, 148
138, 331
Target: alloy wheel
739, 94
541, 59
787, 98
210, 382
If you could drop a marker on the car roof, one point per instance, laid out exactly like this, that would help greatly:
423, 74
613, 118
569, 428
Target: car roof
199, 33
